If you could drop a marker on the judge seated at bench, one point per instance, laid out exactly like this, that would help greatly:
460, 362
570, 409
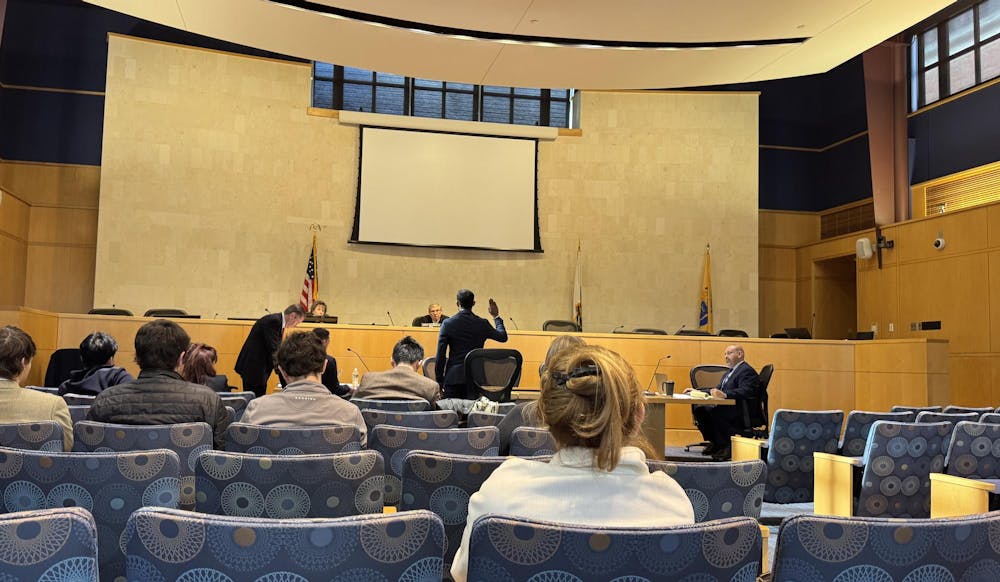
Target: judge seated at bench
718, 423
434, 316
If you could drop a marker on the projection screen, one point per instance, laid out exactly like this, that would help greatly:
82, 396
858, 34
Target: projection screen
433, 189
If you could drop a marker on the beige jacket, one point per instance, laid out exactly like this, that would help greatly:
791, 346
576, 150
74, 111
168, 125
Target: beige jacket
26, 405
304, 403
400, 382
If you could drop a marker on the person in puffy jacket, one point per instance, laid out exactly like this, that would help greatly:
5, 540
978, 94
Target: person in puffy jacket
97, 351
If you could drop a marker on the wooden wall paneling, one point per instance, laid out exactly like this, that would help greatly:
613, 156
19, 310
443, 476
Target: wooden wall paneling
60, 185
993, 260
835, 290
14, 220
964, 232
44, 330
777, 289
972, 380
60, 278
993, 226
788, 229
878, 301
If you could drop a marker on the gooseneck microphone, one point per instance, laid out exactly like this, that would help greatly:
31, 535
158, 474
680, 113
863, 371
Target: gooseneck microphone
617, 328
655, 370
391, 322
514, 322
680, 329
362, 360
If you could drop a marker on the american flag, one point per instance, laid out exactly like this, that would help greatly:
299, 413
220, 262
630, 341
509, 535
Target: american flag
310, 285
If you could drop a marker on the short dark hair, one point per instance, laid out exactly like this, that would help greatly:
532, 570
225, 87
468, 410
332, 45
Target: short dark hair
97, 348
301, 354
16, 348
322, 334
159, 345
407, 351
466, 298
297, 309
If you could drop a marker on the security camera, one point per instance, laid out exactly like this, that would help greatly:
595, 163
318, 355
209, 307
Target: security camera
939, 243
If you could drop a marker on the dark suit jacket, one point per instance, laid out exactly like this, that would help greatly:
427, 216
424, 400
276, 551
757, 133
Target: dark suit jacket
256, 360
219, 383
463, 332
419, 321
744, 384
330, 379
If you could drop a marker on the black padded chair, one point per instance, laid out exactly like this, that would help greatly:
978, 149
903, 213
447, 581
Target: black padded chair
161, 312
650, 331
779, 335
702, 377
758, 431
492, 372
560, 325
692, 332
733, 333
109, 311
62, 362
429, 367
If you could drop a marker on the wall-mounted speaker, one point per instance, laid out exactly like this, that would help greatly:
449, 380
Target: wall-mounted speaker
863, 249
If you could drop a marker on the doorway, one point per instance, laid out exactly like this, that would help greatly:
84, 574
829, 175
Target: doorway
835, 298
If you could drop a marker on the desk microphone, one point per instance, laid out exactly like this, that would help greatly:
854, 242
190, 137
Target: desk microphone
391, 322
362, 360
216, 316
680, 329
617, 328
655, 370
266, 310
514, 322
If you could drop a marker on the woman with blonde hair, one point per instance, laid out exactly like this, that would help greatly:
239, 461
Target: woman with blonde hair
594, 407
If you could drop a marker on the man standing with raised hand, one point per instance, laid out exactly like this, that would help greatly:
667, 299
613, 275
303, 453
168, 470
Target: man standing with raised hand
460, 334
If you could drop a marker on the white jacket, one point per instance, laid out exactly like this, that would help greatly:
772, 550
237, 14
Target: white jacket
569, 489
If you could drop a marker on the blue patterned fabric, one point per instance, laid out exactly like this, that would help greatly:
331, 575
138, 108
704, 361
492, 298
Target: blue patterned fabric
990, 418
109, 485
974, 451
48, 544
898, 461
78, 412
45, 435
484, 419
509, 549
795, 436
268, 440
916, 409
168, 545
859, 426
188, 440
961, 409
395, 442
719, 490
821, 549
947, 417
287, 486
425, 419
443, 483
392, 405
530, 441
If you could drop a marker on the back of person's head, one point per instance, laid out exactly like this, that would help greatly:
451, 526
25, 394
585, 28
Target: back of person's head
296, 310
16, 349
199, 363
407, 351
97, 348
591, 398
159, 345
466, 299
322, 334
301, 354
559, 344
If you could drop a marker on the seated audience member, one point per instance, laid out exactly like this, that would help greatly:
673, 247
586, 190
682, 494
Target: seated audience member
718, 423
18, 404
304, 401
594, 407
525, 413
434, 315
405, 380
97, 351
331, 378
199, 367
318, 309
160, 395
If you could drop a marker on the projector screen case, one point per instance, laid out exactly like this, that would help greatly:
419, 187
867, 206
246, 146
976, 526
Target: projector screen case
437, 189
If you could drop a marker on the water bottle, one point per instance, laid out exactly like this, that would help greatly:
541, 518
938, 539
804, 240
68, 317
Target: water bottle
354, 379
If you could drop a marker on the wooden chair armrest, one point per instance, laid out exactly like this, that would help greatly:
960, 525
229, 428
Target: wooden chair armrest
853, 461
833, 485
746, 449
953, 496
765, 534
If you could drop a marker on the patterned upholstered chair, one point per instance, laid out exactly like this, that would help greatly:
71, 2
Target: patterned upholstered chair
859, 425
916, 409
418, 405
530, 441
719, 490
443, 483
180, 545
892, 479
961, 409
316, 440
188, 440
395, 442
819, 548
48, 544
109, 485
972, 472
78, 412
948, 416
237, 401
425, 419
45, 389
990, 418
505, 407
795, 436
504, 548
484, 419
79, 399
286, 486
45, 435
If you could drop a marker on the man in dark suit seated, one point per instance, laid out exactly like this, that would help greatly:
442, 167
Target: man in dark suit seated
434, 315
718, 423
460, 334
331, 378
404, 381
256, 360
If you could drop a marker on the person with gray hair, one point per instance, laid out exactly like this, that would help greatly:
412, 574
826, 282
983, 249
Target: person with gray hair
404, 381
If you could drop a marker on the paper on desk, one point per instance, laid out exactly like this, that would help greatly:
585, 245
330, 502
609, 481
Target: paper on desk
681, 397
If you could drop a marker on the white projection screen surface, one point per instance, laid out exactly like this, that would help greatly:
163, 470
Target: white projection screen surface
433, 189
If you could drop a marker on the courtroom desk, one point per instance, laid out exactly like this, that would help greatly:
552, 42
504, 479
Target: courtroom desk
809, 374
